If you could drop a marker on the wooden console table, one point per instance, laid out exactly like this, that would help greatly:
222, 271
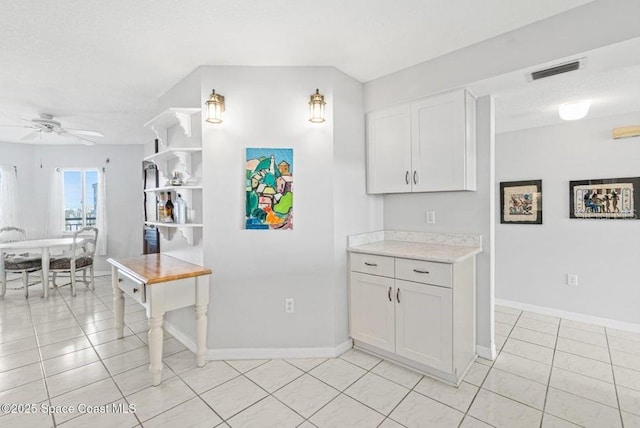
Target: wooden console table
161, 283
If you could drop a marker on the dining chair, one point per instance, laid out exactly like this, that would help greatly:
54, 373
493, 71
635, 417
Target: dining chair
23, 264
80, 258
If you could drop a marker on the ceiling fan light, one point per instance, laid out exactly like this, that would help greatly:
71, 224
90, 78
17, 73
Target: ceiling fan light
574, 111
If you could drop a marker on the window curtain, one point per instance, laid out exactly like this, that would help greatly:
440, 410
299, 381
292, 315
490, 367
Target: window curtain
9, 199
55, 218
101, 214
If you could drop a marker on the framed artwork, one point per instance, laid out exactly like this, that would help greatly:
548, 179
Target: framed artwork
269, 189
609, 198
521, 202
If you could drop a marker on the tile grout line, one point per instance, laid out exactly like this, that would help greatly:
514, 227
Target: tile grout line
546, 394
44, 374
488, 371
99, 359
615, 385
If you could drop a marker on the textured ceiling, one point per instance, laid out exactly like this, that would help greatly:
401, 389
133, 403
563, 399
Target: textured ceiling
610, 80
101, 64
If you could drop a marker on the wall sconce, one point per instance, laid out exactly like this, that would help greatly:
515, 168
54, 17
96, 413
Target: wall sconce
316, 107
215, 107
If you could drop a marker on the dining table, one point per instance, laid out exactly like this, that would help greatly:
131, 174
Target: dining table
42, 246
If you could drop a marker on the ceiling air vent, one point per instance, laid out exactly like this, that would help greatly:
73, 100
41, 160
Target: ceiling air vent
558, 69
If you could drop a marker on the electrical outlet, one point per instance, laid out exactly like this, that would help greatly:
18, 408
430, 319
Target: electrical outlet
431, 217
572, 279
289, 306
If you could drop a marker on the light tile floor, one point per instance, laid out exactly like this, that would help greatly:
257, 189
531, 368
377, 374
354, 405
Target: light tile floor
62, 352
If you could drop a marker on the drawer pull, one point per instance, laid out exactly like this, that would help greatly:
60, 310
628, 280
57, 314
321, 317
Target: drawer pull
389, 295
398, 295
135, 290
371, 264
421, 271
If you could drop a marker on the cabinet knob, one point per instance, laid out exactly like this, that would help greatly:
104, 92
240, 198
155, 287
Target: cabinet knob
120, 279
135, 290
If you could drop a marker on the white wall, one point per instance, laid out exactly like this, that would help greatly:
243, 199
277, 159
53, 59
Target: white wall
124, 189
255, 270
355, 211
533, 260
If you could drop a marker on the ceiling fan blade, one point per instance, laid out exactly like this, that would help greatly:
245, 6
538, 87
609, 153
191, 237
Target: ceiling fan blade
84, 132
82, 140
31, 135
20, 126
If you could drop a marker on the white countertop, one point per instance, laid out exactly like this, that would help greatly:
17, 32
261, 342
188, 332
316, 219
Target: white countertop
442, 253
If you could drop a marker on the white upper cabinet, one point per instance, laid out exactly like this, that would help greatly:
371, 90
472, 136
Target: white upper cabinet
424, 146
389, 150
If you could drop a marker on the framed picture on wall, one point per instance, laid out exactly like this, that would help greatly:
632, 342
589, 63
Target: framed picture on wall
609, 198
521, 202
269, 189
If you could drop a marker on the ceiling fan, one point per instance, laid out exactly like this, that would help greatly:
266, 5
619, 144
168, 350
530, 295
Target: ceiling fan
46, 124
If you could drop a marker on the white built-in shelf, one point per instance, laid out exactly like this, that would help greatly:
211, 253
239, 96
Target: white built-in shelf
171, 154
178, 159
172, 225
185, 229
173, 188
170, 117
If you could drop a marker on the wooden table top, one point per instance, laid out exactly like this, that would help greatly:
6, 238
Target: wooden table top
156, 268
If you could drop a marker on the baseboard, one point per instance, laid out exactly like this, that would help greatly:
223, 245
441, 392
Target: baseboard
259, 353
178, 334
574, 316
488, 353
281, 353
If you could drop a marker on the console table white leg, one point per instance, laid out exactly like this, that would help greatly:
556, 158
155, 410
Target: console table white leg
118, 304
201, 332
155, 348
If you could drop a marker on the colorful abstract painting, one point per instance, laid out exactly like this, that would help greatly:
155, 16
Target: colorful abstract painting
612, 198
269, 178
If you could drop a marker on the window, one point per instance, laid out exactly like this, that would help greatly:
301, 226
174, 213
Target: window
80, 190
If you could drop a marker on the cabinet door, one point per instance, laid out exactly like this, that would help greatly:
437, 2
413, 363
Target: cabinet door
424, 331
389, 150
438, 143
372, 311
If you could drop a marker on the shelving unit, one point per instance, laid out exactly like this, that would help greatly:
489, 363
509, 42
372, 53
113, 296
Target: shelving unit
167, 229
185, 160
170, 117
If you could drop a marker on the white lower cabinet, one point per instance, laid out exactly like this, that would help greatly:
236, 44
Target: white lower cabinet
372, 310
424, 324
396, 313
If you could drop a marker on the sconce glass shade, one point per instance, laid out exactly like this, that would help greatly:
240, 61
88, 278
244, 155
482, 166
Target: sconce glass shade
215, 107
316, 108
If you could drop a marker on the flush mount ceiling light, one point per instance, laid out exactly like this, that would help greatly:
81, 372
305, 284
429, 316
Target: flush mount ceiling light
316, 107
215, 107
574, 111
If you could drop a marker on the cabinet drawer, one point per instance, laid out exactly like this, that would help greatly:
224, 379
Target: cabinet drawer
425, 272
375, 265
133, 288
